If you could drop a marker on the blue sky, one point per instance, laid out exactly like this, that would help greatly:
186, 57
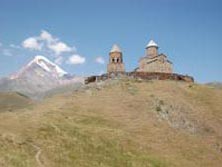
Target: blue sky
78, 34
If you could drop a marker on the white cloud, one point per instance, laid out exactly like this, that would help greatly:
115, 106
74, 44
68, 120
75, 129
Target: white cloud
59, 48
76, 59
32, 43
59, 60
100, 60
47, 36
45, 41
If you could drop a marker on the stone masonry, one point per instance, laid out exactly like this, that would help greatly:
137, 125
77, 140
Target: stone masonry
115, 60
154, 62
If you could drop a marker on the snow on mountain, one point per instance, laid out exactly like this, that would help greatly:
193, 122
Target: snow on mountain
37, 77
45, 64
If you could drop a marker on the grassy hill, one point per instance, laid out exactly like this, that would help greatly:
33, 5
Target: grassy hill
116, 124
13, 101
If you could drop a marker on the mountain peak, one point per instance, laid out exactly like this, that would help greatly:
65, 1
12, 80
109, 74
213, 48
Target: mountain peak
47, 65
38, 77
40, 65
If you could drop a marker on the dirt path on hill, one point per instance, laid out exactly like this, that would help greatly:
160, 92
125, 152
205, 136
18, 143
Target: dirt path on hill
37, 155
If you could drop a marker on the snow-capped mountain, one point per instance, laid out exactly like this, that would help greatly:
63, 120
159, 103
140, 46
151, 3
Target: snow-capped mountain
38, 76
41, 65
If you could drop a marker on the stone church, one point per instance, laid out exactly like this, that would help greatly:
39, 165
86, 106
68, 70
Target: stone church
153, 61
153, 66
115, 60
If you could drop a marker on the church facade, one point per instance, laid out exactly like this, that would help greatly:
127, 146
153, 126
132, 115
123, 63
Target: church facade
153, 61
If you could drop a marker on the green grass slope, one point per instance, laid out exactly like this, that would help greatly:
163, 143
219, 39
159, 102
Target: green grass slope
124, 123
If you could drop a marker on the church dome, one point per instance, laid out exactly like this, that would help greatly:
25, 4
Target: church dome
152, 44
115, 48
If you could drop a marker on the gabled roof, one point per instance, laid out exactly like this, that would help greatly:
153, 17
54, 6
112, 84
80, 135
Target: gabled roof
151, 44
115, 48
156, 58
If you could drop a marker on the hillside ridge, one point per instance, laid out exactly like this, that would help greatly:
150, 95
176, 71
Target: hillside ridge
125, 122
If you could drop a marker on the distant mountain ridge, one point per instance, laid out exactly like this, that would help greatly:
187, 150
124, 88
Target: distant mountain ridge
38, 76
215, 84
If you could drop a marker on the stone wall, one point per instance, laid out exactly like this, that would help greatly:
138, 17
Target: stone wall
151, 52
161, 76
141, 75
159, 64
115, 67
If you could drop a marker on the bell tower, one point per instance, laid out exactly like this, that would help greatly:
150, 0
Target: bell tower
152, 49
115, 60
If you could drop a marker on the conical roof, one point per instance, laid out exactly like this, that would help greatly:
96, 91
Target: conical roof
151, 44
115, 48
